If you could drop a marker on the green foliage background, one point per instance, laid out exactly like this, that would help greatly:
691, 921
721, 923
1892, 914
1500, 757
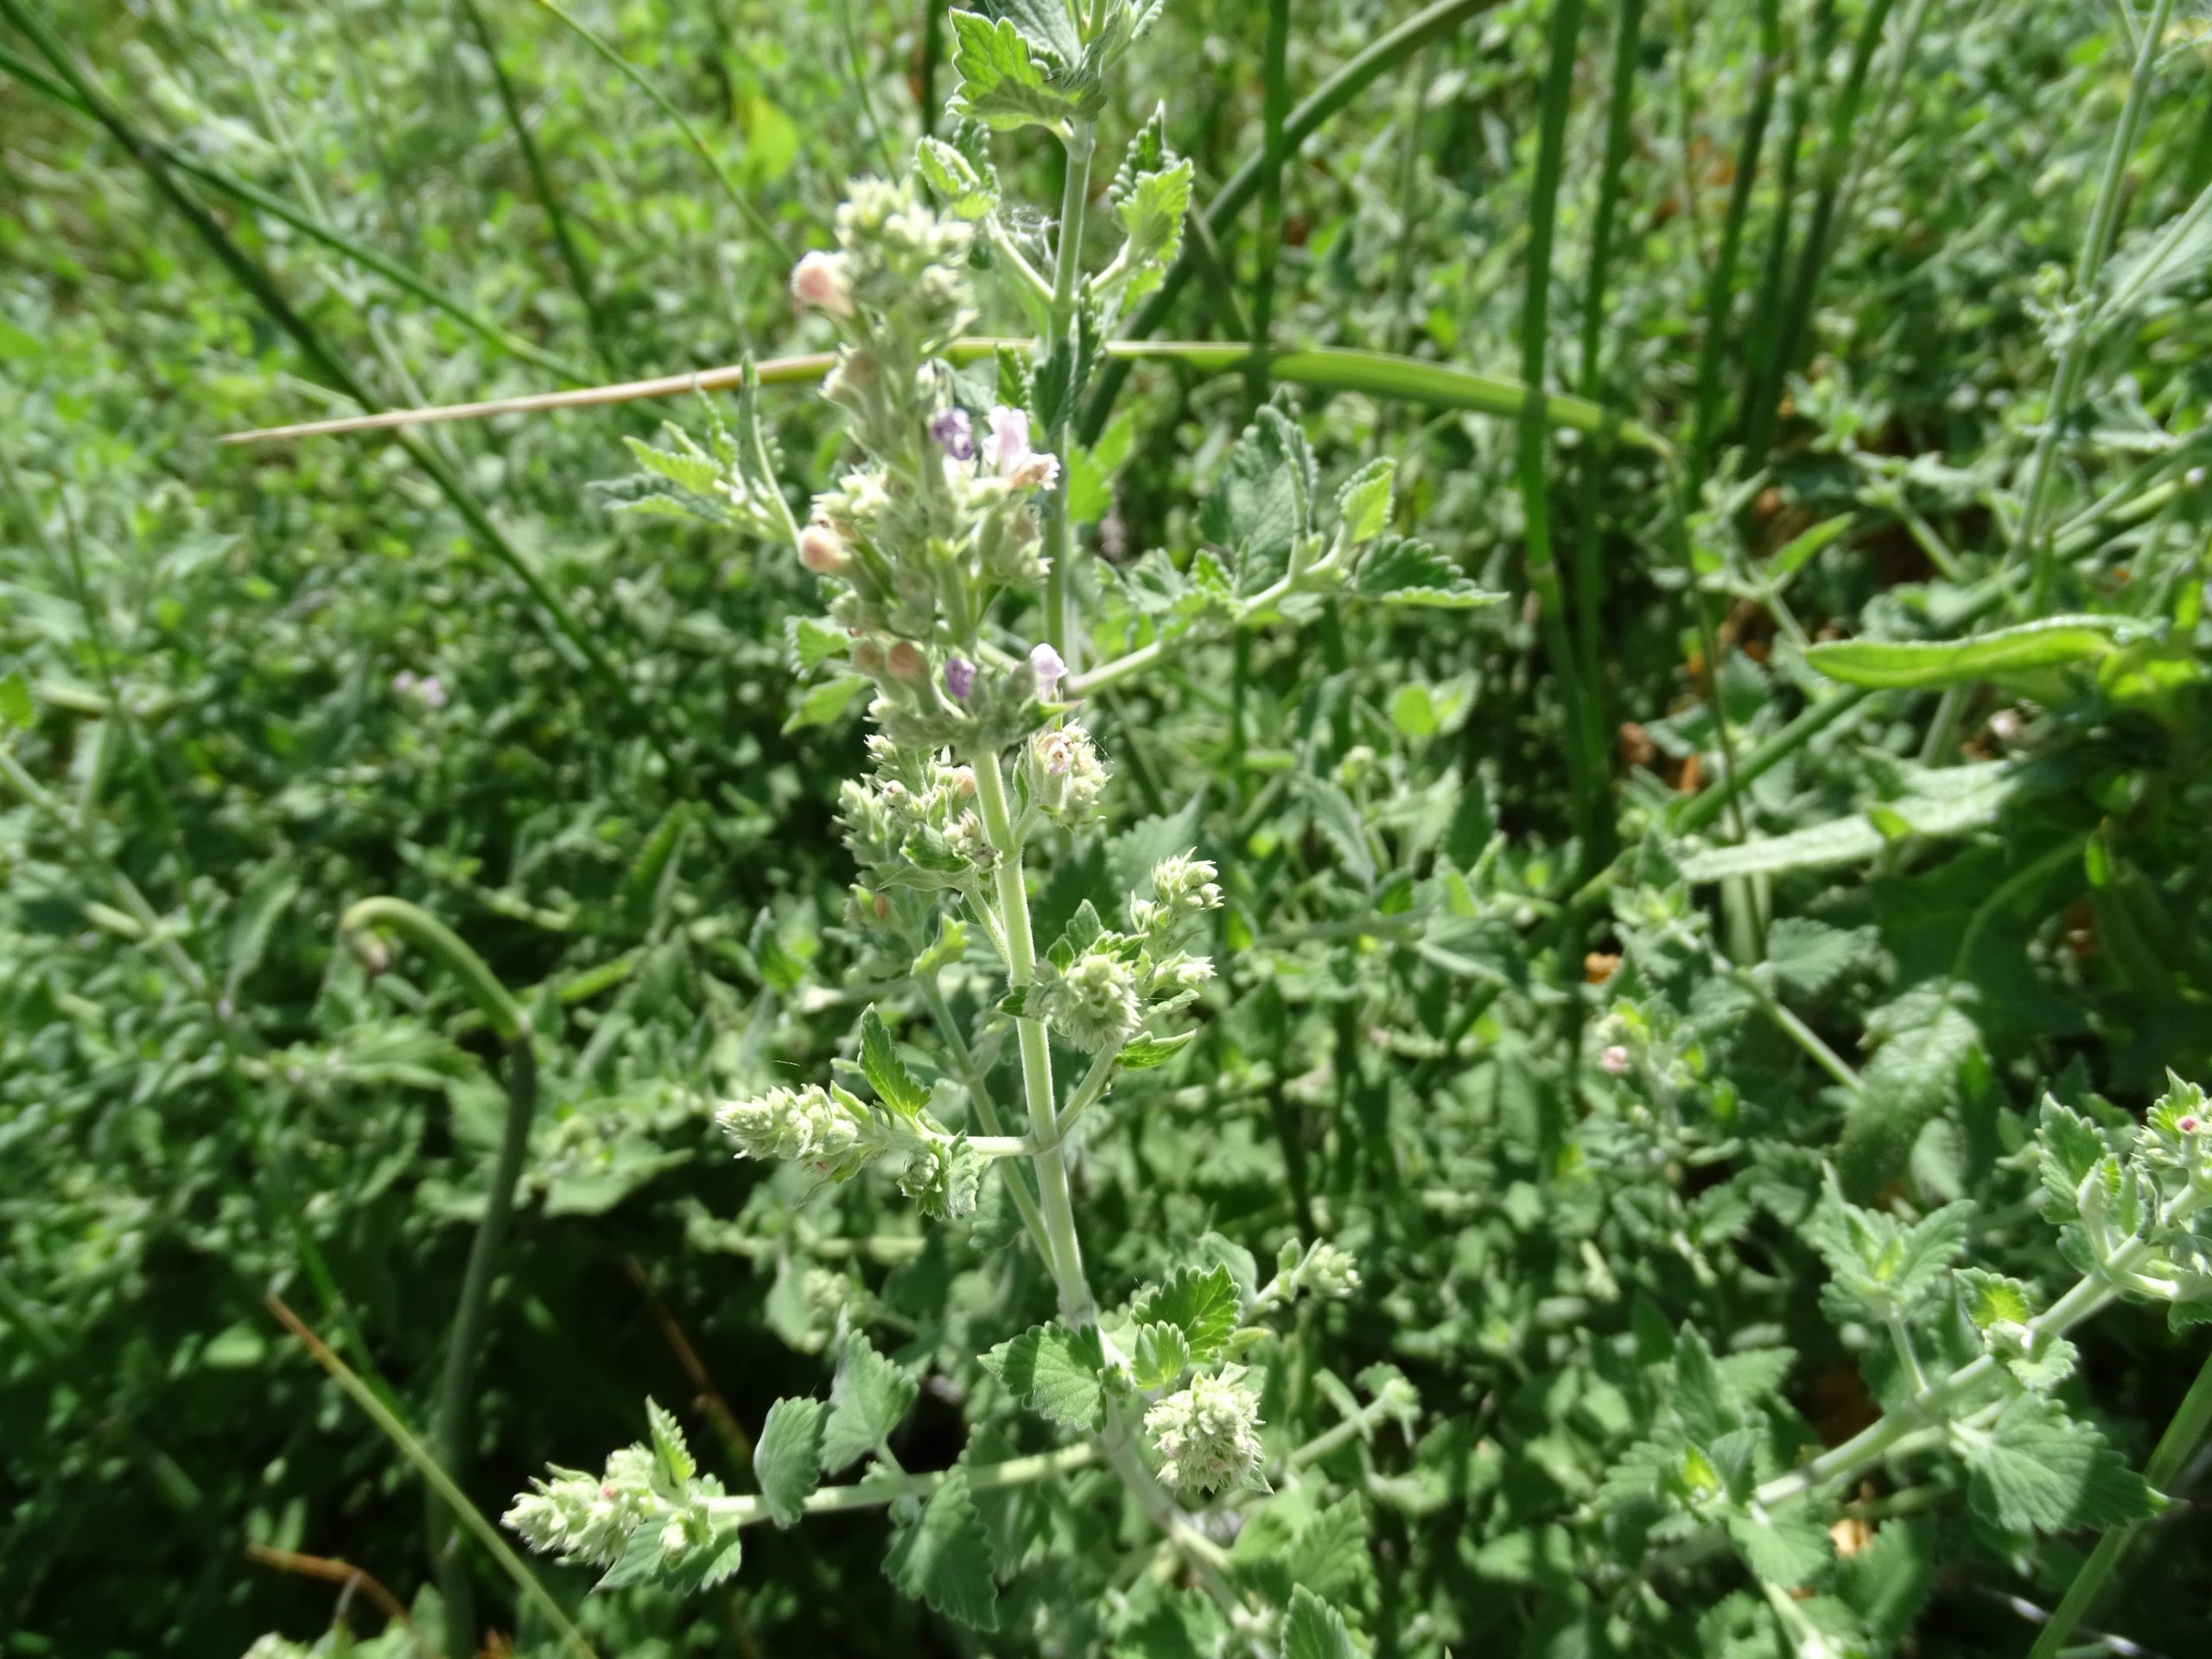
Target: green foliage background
630, 824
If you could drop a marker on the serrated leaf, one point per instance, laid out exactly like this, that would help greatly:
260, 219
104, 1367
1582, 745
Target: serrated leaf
944, 1558
816, 643
2035, 1469
825, 704
1262, 504
1786, 1548
1402, 572
1887, 1582
787, 1458
1005, 87
1147, 1052
967, 191
1340, 822
894, 1085
686, 468
728, 1554
638, 1563
1158, 1356
1808, 956
1205, 1304
676, 1463
949, 945
1991, 1299
1703, 1396
1315, 1629
1152, 215
1330, 1555
867, 1398
1056, 1372
1926, 1040
2071, 1147
1363, 503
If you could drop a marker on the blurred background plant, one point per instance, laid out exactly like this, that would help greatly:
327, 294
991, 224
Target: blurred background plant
1559, 1099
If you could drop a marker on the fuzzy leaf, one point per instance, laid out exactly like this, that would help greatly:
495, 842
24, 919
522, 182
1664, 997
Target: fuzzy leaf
787, 1458
676, 1463
1002, 85
1160, 1354
825, 704
1363, 503
1786, 1548
1402, 572
1147, 1052
2052, 642
1206, 1304
1315, 1629
868, 1397
1261, 506
1808, 956
1152, 214
1056, 1372
887, 1073
2038, 1469
967, 191
944, 1558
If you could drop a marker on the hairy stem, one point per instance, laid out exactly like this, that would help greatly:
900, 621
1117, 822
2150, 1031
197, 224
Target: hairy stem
1059, 540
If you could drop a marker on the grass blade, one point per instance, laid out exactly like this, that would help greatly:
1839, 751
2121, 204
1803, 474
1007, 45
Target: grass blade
1354, 77
1921, 664
637, 77
408, 1447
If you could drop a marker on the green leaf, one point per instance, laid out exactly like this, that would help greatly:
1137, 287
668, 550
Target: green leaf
816, 643
2038, 1469
1991, 1299
1363, 503
967, 191
1330, 1555
638, 1563
2053, 642
787, 1458
867, 1398
1972, 798
825, 704
1926, 1041
15, 701
1262, 504
1340, 822
1702, 1396
949, 945
1160, 1354
1002, 85
1887, 1582
1785, 1548
1402, 572
2071, 1147
1808, 956
944, 1558
1056, 1372
688, 468
1315, 1629
887, 1073
676, 1463
1147, 1052
1152, 214
1793, 555
1206, 1304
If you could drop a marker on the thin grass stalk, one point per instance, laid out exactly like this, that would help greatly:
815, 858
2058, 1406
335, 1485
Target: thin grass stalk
1720, 286
360, 253
1762, 373
630, 71
1359, 72
2100, 1574
362, 99
395, 1429
2028, 541
541, 184
1585, 746
1274, 104
1847, 140
1627, 47
928, 61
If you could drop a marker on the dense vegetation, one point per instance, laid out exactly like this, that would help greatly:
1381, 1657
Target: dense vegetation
1708, 897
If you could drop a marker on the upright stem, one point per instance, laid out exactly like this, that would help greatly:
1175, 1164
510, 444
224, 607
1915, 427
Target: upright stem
1059, 542
1066, 1254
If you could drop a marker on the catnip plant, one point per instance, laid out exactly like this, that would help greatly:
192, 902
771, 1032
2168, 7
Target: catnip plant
947, 538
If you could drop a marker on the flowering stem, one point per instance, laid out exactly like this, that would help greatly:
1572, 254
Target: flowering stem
747, 1511
986, 1111
1074, 196
1065, 1257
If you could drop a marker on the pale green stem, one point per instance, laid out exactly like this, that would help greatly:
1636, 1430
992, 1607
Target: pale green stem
1065, 1257
986, 1111
1059, 540
747, 1511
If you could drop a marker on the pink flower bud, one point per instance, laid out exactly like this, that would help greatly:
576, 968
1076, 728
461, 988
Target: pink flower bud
822, 551
1614, 1060
819, 280
868, 657
1045, 662
907, 661
2189, 1124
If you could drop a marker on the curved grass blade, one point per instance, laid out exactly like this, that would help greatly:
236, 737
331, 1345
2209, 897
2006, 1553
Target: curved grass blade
1377, 374
1920, 664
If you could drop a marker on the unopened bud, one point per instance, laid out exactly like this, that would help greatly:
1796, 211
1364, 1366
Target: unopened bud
907, 661
822, 551
819, 280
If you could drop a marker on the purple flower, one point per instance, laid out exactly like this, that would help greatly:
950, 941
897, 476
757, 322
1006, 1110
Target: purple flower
955, 435
1045, 662
959, 677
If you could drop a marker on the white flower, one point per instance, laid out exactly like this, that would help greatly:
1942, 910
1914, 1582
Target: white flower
1045, 664
820, 280
1207, 1436
1614, 1060
1007, 451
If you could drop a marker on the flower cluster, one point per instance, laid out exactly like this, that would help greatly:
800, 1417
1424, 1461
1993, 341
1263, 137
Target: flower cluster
1208, 1436
1182, 887
841, 1135
1093, 1003
1064, 775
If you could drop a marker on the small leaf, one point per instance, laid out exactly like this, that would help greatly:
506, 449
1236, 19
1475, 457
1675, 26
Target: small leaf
887, 1073
1056, 1372
787, 1458
867, 1398
1315, 1629
825, 704
1364, 503
1206, 1304
944, 1558
967, 191
814, 642
1785, 1548
1152, 213
1159, 1356
1004, 87
676, 1463
1402, 572
2054, 642
1147, 1052
15, 701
